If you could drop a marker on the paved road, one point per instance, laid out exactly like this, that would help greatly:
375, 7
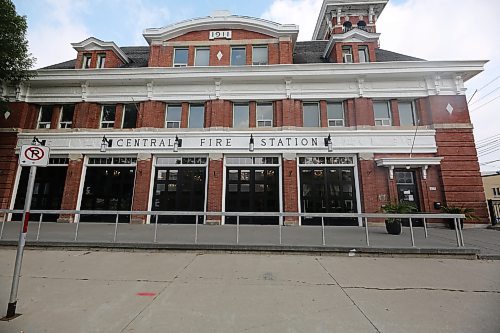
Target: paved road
76, 291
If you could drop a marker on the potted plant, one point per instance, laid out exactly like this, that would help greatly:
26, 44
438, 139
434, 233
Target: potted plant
468, 212
393, 225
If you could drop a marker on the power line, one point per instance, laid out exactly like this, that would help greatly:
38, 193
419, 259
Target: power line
479, 107
490, 162
487, 84
483, 97
486, 144
487, 139
488, 152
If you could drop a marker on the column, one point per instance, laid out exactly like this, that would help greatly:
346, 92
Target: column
290, 188
215, 187
72, 186
142, 187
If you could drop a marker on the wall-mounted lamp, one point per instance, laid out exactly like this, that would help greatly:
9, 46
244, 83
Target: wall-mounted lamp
251, 145
39, 142
105, 144
177, 144
329, 143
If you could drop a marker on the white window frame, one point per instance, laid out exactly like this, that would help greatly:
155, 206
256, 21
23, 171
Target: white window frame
87, 61
177, 64
413, 110
319, 113
383, 121
125, 111
178, 122
264, 122
65, 124
238, 47
335, 122
101, 60
44, 124
347, 55
107, 122
196, 55
267, 55
248, 116
189, 114
364, 49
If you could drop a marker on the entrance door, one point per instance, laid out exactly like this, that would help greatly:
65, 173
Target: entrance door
108, 188
328, 190
252, 189
179, 189
407, 187
47, 191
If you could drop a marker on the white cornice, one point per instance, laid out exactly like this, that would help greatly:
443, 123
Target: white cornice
231, 22
92, 43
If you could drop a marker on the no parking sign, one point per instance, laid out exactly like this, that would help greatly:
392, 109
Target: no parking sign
32, 155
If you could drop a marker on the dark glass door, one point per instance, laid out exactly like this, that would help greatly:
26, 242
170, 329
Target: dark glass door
47, 191
108, 188
179, 189
407, 187
328, 190
252, 189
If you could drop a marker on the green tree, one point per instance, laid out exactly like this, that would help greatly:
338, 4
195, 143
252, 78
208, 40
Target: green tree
15, 60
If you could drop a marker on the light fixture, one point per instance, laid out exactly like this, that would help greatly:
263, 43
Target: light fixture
177, 144
329, 143
36, 141
251, 145
105, 144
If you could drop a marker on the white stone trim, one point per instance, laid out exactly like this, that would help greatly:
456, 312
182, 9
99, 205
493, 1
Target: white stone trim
408, 163
94, 44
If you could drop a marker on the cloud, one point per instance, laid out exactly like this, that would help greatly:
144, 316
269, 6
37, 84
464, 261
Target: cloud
302, 12
50, 37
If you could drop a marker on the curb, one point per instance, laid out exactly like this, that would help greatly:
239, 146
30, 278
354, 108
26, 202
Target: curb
465, 253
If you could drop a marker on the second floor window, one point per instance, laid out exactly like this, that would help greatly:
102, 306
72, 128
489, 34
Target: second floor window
108, 116
382, 112
67, 113
335, 112
129, 116
241, 115
181, 57
202, 56
407, 114
101, 60
196, 116
363, 54
87, 58
45, 116
264, 115
238, 56
174, 113
259, 55
311, 115
347, 54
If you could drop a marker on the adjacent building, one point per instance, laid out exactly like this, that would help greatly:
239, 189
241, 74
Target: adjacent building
231, 113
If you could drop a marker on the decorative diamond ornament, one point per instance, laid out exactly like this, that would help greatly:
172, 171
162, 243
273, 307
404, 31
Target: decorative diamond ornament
6, 115
449, 108
219, 55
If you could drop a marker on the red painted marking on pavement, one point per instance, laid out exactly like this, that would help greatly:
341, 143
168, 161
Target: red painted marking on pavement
146, 294
26, 220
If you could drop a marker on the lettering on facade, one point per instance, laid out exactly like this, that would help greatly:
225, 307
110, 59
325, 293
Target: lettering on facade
223, 34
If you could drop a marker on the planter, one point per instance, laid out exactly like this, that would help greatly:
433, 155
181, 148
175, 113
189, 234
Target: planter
393, 227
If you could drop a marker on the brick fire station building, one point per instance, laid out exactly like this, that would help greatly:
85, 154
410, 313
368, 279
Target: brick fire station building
232, 113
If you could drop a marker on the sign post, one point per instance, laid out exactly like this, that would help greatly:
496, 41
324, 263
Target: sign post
32, 156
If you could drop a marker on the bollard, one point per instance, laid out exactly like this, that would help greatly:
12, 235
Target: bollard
39, 224
411, 233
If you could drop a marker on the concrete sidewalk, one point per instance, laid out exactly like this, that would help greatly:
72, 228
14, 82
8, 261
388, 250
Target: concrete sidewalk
485, 242
83, 291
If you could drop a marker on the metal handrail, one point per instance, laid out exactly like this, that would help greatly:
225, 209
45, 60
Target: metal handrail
363, 216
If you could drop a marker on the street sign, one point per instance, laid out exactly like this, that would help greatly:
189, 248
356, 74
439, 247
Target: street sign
32, 155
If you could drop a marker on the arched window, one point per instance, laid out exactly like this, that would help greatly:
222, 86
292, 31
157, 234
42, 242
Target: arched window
362, 25
347, 26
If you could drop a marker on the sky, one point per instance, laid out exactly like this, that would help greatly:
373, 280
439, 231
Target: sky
427, 29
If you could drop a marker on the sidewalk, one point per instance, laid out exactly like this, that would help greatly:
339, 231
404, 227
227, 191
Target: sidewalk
482, 242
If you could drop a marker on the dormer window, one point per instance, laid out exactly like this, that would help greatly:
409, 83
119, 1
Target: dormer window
363, 54
87, 58
347, 26
347, 55
181, 57
362, 25
101, 60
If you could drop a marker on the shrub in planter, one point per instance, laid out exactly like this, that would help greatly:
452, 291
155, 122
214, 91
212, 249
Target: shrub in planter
468, 212
394, 226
